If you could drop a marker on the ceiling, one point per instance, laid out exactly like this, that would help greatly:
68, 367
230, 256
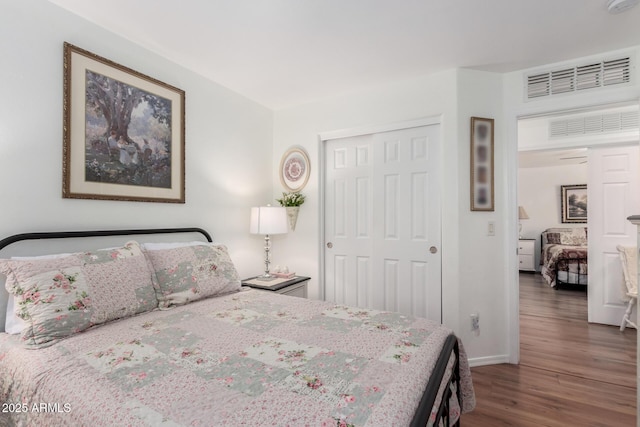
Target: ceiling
282, 53
552, 158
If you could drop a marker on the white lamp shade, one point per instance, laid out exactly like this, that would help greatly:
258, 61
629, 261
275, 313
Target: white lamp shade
522, 214
268, 220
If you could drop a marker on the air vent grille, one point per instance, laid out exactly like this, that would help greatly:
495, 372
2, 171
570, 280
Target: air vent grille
593, 125
589, 76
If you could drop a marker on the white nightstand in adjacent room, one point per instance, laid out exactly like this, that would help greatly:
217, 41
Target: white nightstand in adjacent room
526, 254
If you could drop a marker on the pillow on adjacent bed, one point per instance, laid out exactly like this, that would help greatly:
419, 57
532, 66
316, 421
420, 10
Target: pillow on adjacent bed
553, 238
58, 297
189, 273
575, 237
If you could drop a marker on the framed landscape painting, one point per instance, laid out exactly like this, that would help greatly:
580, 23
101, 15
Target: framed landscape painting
574, 203
123, 132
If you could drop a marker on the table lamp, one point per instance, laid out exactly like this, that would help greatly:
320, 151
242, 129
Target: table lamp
268, 220
522, 214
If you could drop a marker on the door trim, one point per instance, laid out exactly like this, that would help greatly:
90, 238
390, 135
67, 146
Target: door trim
323, 137
371, 129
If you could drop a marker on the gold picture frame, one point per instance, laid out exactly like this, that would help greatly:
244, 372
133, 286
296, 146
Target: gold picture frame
123, 132
482, 165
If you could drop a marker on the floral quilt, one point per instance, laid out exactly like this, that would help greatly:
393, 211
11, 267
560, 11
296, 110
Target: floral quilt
251, 358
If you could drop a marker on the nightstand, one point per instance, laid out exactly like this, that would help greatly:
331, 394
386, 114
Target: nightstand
295, 287
526, 254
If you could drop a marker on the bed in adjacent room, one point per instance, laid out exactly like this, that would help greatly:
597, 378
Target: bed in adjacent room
564, 256
162, 334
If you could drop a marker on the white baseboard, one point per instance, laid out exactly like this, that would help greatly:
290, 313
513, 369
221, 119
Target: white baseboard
489, 360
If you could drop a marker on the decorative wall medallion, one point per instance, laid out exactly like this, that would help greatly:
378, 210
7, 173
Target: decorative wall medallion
294, 169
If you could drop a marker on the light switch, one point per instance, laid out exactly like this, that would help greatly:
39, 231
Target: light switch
491, 230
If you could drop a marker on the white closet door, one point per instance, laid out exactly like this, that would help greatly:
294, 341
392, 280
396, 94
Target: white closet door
383, 221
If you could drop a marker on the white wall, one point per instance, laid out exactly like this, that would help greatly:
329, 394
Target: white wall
515, 107
482, 284
472, 269
228, 138
539, 194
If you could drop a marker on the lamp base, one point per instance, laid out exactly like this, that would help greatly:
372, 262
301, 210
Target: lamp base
267, 248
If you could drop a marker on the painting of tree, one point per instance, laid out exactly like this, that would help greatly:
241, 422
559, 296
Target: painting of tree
574, 203
578, 205
128, 134
124, 132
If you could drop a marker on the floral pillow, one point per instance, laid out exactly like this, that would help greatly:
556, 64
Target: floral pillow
190, 273
575, 237
58, 297
553, 238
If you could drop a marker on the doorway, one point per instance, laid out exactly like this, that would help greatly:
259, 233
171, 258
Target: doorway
606, 159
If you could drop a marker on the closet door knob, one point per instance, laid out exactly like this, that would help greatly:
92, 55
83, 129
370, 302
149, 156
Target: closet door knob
329, 245
433, 249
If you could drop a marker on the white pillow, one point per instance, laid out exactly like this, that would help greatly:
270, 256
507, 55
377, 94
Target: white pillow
13, 324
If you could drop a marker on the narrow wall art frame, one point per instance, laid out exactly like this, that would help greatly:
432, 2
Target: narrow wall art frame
123, 132
482, 164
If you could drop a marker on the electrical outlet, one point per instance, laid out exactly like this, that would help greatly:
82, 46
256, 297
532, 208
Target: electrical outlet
475, 323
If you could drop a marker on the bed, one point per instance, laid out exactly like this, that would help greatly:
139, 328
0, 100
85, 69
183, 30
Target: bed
564, 256
155, 330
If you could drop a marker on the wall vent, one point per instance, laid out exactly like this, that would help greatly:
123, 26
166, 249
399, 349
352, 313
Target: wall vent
594, 125
573, 79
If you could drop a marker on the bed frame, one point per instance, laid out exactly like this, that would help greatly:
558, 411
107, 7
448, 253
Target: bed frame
565, 265
421, 417
580, 263
98, 233
440, 373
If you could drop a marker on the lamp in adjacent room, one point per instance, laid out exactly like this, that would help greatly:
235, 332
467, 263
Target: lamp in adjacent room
522, 214
268, 220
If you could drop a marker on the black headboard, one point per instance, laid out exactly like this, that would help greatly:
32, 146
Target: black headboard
29, 244
98, 233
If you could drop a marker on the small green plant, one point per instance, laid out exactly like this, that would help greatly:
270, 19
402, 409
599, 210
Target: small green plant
291, 199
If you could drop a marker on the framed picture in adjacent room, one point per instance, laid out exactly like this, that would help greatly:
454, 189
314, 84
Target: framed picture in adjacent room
123, 132
574, 203
482, 166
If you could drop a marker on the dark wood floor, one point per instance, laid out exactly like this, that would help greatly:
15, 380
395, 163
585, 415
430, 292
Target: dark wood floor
571, 373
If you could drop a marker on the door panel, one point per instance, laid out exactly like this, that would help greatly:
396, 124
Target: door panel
613, 195
382, 215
